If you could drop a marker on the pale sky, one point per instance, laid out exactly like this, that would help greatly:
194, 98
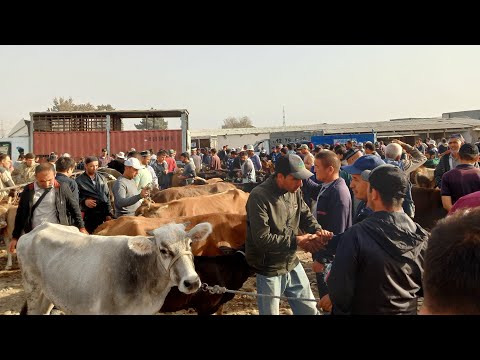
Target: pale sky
316, 84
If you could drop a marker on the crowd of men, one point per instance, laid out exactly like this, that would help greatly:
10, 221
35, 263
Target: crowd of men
350, 205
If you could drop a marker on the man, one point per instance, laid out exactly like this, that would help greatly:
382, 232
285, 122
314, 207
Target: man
118, 162
94, 195
464, 179
104, 159
308, 158
334, 206
25, 172
231, 162
451, 273
247, 169
393, 155
352, 156
468, 201
65, 167
172, 165
215, 162
432, 159
257, 164
160, 167
126, 194
442, 147
276, 155
52, 159
449, 159
5, 176
276, 213
146, 175
370, 149
189, 169
197, 160
378, 265
45, 200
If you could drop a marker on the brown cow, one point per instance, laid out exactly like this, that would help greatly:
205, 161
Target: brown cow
428, 206
229, 230
423, 177
171, 194
201, 181
232, 201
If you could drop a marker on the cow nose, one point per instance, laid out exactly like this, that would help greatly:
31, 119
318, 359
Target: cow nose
192, 285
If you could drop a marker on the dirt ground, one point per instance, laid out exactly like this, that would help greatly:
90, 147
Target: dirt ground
12, 295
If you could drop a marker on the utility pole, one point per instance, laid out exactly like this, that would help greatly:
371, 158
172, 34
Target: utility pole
284, 116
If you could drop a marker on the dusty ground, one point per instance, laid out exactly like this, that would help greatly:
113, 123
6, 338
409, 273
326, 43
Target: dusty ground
12, 296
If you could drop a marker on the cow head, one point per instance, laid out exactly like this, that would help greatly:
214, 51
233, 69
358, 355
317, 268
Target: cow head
172, 245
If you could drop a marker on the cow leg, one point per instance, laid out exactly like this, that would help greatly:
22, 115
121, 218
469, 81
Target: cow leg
37, 302
9, 260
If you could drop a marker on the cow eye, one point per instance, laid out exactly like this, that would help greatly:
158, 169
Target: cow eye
163, 251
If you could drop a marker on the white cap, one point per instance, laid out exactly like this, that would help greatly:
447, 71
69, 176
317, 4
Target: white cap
120, 155
133, 162
250, 147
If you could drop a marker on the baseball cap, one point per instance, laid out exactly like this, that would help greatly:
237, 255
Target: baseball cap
457, 136
250, 148
388, 179
367, 162
133, 162
171, 151
121, 155
292, 164
304, 146
145, 153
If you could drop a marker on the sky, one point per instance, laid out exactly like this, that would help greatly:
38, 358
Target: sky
315, 84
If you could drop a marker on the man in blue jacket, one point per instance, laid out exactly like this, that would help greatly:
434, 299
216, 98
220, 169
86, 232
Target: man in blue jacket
379, 262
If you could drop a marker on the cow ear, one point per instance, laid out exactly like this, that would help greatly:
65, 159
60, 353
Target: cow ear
200, 231
141, 245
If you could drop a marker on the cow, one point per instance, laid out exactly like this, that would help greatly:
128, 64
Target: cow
229, 271
428, 206
171, 194
231, 201
423, 177
92, 274
7, 231
228, 230
197, 180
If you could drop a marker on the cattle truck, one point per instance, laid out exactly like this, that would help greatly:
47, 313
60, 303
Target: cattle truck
85, 133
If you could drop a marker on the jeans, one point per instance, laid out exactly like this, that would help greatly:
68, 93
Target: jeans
293, 284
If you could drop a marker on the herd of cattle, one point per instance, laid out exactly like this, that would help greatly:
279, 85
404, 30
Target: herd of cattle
208, 221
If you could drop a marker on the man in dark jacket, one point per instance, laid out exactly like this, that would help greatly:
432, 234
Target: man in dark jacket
50, 201
94, 195
378, 266
276, 213
450, 158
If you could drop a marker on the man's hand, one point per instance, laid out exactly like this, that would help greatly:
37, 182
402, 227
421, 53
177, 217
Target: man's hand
325, 303
309, 242
324, 236
13, 246
318, 267
108, 218
84, 231
91, 203
144, 193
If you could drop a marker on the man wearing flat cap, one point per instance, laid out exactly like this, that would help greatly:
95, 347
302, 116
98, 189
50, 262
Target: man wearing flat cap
276, 213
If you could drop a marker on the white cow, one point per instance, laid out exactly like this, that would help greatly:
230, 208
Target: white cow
92, 274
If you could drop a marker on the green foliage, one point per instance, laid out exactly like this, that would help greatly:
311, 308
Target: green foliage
232, 122
152, 123
61, 104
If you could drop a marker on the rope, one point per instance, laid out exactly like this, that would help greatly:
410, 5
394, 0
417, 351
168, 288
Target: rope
221, 290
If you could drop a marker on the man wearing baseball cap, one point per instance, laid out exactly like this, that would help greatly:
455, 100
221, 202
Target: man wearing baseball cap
276, 213
127, 197
378, 266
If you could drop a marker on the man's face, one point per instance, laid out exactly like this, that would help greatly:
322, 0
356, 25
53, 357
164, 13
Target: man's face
91, 168
454, 145
146, 159
183, 159
29, 162
321, 172
244, 157
359, 187
6, 162
289, 183
45, 179
130, 172
160, 158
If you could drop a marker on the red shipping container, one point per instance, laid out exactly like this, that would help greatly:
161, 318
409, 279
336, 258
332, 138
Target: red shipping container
86, 143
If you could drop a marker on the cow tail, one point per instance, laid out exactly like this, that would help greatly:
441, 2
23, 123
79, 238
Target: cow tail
24, 310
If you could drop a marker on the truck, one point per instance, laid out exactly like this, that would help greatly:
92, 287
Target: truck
343, 138
283, 138
14, 146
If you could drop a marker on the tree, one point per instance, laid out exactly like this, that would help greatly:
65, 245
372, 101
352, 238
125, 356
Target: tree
61, 104
157, 123
232, 122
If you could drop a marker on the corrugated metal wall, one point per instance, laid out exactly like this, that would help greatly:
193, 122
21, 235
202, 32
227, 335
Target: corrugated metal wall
85, 143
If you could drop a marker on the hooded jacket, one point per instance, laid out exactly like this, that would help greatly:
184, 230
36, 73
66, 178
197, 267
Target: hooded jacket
378, 267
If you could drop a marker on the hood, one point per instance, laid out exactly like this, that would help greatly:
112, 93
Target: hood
396, 233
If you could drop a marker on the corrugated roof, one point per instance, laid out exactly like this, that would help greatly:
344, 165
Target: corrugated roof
392, 126
120, 113
19, 127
